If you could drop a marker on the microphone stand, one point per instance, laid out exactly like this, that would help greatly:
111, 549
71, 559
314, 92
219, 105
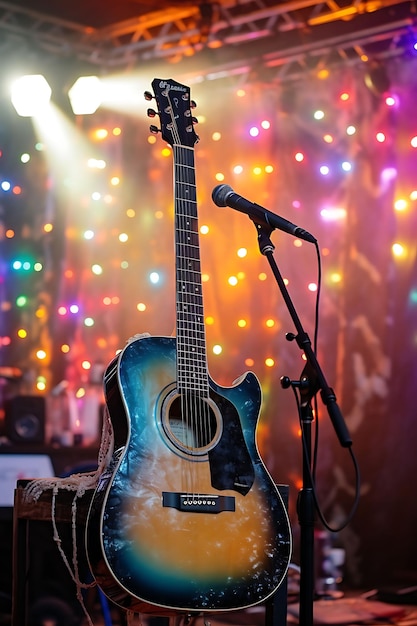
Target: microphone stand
311, 381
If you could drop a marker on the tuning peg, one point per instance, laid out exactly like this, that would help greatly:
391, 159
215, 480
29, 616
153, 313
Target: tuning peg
152, 113
193, 104
154, 129
195, 120
148, 95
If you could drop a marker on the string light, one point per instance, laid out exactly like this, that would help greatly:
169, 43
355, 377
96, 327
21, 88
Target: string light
100, 212
401, 204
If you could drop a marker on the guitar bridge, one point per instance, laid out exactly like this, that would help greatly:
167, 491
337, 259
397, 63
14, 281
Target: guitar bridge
198, 503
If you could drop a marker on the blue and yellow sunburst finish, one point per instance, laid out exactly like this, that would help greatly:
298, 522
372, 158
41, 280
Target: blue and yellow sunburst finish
153, 557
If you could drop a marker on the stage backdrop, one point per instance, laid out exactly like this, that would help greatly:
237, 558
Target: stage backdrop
88, 261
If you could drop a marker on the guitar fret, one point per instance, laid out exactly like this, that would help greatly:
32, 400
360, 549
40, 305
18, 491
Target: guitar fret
198, 377
188, 322
197, 346
188, 212
193, 345
190, 317
183, 284
189, 298
196, 367
192, 246
193, 310
187, 231
183, 350
192, 350
189, 385
183, 245
188, 275
189, 188
192, 330
192, 335
198, 374
190, 290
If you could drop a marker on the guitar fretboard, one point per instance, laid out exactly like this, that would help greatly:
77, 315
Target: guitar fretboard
192, 372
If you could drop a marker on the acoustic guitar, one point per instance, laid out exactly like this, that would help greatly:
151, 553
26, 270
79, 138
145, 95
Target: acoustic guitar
186, 517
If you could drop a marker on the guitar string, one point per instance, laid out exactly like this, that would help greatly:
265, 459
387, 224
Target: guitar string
197, 422
202, 408
193, 375
193, 364
184, 432
183, 311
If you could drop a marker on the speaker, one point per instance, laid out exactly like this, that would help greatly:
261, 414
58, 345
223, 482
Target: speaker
25, 419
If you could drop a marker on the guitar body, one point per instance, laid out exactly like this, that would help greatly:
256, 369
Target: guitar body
183, 521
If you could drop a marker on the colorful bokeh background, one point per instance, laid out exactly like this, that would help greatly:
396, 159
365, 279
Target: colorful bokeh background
87, 261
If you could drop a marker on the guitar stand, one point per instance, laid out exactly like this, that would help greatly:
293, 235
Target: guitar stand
312, 380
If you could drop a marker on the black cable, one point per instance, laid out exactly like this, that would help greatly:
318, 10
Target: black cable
312, 469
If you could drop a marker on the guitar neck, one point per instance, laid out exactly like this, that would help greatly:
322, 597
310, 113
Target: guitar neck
192, 372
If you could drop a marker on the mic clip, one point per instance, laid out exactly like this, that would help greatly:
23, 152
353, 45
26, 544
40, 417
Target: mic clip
264, 231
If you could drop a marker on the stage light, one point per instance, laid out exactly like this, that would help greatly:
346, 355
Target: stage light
398, 250
331, 214
30, 95
85, 95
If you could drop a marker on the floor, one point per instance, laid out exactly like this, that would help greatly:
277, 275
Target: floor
344, 611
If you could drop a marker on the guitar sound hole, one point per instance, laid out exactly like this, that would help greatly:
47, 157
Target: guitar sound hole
193, 424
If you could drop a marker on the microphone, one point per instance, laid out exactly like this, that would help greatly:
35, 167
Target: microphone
223, 195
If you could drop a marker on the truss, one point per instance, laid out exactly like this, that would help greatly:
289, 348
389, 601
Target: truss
279, 40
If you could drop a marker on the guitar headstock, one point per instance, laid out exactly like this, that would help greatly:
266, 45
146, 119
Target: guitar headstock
174, 110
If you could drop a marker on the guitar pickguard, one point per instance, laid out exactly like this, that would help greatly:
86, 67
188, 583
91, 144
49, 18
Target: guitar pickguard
228, 471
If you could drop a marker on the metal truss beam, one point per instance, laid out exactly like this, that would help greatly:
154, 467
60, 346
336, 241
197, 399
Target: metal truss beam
283, 38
